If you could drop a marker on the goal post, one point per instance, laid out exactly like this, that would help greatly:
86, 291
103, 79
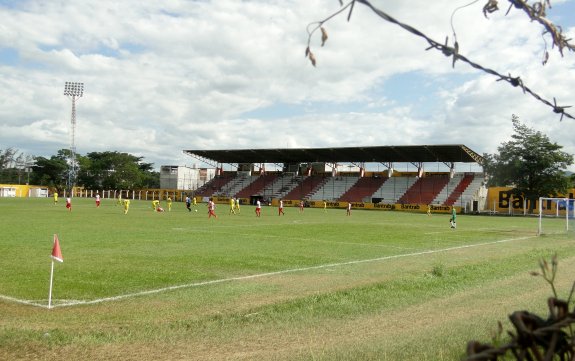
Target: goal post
556, 215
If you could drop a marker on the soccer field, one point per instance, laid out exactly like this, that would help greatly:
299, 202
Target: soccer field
304, 286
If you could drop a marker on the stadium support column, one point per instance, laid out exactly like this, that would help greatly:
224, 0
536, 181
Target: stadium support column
389, 166
420, 170
333, 168
73, 91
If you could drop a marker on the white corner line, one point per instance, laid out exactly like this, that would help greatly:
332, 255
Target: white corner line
24, 302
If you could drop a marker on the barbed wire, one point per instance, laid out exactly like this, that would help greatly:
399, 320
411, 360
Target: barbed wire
536, 12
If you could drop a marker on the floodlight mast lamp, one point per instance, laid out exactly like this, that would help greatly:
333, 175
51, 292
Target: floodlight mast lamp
73, 91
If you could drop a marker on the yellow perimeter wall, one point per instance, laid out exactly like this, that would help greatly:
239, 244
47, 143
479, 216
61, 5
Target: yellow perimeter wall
21, 190
354, 205
500, 200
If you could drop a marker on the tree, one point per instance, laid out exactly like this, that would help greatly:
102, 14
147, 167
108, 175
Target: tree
15, 166
115, 170
7, 158
530, 163
51, 172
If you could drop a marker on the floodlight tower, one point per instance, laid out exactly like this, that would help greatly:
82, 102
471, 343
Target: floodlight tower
73, 91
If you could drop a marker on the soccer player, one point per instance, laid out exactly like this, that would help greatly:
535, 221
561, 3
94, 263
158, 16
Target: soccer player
169, 204
349, 208
258, 208
55, 198
69, 204
126, 206
324, 206
238, 205
97, 200
301, 205
211, 209
452, 220
155, 204
429, 210
232, 205
188, 203
119, 201
281, 208
195, 203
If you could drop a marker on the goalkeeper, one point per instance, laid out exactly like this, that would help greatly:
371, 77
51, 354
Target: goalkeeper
452, 220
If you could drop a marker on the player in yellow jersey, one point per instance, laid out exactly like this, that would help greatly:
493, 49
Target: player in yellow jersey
55, 197
155, 204
232, 205
126, 206
238, 205
169, 204
119, 201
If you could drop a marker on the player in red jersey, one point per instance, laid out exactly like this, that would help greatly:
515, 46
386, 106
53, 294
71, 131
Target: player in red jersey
211, 209
258, 208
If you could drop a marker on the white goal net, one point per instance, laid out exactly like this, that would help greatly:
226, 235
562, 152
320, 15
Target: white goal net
556, 215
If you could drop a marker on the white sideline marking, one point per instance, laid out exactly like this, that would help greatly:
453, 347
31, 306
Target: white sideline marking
259, 275
25, 302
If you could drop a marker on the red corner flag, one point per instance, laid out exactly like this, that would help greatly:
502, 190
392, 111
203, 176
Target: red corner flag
56, 252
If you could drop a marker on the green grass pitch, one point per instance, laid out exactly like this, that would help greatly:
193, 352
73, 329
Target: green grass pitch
177, 284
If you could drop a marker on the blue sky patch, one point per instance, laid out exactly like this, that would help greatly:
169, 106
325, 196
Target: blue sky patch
9, 56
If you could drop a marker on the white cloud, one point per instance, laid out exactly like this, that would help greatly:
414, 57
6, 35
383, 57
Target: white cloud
161, 77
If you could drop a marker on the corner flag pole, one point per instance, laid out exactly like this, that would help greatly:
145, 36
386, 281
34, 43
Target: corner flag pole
56, 255
51, 279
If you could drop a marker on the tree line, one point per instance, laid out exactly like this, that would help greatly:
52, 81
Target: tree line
96, 170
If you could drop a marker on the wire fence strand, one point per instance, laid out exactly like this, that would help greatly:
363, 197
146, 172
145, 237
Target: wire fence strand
535, 12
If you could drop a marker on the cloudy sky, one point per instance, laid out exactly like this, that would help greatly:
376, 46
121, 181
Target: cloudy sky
164, 76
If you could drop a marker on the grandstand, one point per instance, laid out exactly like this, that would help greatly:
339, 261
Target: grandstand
306, 188
394, 188
256, 187
363, 189
313, 174
425, 189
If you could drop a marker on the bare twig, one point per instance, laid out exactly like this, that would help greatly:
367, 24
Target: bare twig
536, 12
535, 338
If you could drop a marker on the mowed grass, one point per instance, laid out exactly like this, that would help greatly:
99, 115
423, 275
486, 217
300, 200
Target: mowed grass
305, 286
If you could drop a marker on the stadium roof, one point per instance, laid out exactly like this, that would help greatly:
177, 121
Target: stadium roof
373, 154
